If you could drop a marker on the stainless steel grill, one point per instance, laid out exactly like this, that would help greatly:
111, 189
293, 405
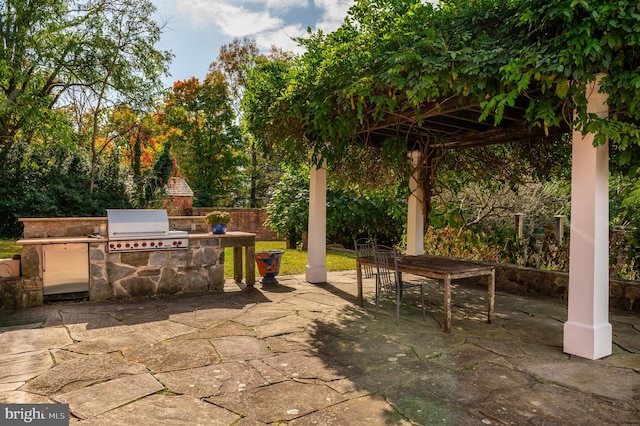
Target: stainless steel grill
142, 230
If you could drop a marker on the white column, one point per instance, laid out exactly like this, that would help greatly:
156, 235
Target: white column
316, 270
587, 332
415, 214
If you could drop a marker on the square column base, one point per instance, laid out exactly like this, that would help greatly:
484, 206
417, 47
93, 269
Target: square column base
588, 341
316, 274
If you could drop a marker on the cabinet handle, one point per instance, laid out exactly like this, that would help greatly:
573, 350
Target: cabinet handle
44, 259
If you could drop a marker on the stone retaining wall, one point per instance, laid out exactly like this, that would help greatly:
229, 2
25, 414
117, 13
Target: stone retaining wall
623, 295
168, 272
61, 227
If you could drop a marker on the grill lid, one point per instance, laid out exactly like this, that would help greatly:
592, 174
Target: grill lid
137, 223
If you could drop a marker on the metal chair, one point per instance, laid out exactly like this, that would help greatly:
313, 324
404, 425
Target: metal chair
364, 248
389, 279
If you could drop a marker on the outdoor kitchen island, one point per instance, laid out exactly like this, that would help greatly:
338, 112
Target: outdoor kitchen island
186, 260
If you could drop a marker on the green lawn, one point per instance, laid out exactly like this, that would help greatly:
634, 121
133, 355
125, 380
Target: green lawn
8, 248
293, 261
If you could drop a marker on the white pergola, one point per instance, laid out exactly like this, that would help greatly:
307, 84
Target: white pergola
587, 332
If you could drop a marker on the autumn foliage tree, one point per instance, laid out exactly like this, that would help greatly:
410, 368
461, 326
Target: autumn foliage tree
56, 52
205, 140
235, 62
67, 70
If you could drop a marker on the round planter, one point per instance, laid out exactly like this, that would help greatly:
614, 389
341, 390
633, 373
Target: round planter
218, 228
269, 265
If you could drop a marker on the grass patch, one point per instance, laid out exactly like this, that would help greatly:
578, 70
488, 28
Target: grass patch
294, 261
8, 248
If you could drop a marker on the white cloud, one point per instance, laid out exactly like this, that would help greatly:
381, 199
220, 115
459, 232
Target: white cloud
282, 38
234, 21
268, 4
282, 4
334, 13
264, 20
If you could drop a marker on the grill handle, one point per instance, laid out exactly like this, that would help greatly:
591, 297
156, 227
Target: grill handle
139, 233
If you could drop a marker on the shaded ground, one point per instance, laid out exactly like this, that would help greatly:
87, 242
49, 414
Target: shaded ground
306, 354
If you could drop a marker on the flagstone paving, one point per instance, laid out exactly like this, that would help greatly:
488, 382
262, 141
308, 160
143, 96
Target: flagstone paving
302, 354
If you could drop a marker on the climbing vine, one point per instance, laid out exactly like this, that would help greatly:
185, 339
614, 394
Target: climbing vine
396, 55
395, 58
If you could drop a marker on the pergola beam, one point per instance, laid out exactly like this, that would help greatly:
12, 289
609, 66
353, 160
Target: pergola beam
492, 136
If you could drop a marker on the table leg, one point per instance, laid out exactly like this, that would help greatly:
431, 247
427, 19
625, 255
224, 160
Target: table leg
492, 296
237, 264
447, 304
359, 282
250, 259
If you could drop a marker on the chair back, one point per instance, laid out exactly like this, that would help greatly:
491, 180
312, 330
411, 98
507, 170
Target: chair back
386, 267
364, 248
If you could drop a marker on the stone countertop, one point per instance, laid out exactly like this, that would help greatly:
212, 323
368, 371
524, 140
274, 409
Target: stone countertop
230, 239
61, 240
90, 239
229, 234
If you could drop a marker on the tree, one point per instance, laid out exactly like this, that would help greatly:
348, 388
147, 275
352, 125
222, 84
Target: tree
206, 141
67, 70
35, 44
349, 216
139, 141
50, 180
125, 72
266, 81
235, 62
102, 49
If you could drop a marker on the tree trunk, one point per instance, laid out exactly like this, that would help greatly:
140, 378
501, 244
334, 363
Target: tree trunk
431, 155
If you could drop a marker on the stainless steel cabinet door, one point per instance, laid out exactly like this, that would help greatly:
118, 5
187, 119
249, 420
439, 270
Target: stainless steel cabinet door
65, 268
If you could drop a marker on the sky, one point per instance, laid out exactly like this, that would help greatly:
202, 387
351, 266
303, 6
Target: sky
194, 30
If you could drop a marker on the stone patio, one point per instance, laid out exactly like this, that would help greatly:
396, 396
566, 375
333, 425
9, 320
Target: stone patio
303, 354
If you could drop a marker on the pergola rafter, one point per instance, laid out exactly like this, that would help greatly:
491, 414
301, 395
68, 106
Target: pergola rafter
455, 123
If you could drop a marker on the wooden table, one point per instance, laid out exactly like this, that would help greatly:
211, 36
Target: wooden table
440, 268
238, 240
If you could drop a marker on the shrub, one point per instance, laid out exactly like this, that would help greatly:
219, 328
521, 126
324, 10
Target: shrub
374, 214
449, 241
53, 181
378, 214
218, 217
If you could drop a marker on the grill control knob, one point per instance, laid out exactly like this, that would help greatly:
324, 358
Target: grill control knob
144, 244
135, 244
119, 245
159, 243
